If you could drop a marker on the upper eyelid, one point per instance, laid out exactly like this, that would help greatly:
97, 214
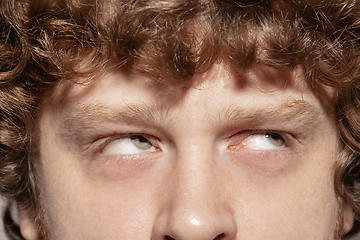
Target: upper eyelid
111, 137
284, 135
288, 137
250, 132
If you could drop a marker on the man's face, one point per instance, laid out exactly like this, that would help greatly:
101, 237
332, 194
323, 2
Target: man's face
226, 158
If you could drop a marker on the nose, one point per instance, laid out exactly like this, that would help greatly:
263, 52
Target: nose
196, 205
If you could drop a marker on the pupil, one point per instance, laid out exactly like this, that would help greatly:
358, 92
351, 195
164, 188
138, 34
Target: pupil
142, 139
274, 135
141, 142
138, 138
275, 139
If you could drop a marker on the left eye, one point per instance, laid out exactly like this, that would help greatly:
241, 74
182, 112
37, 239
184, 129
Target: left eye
264, 141
132, 144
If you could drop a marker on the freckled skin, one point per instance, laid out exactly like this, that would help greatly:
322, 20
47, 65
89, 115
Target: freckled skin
202, 181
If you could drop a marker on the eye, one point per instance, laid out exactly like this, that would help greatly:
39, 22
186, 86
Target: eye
132, 144
264, 141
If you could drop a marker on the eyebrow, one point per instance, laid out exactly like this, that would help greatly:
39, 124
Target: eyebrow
90, 117
298, 112
130, 113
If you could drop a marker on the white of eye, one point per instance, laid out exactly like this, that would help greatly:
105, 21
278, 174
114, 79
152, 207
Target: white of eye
264, 141
128, 145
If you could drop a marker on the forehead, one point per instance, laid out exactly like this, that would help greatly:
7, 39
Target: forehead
260, 81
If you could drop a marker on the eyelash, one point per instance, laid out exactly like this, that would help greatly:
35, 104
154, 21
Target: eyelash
235, 141
101, 143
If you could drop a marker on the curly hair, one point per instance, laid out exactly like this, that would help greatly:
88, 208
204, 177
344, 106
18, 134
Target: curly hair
44, 42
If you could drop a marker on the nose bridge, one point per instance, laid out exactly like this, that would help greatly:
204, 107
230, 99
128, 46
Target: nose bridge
196, 207
195, 180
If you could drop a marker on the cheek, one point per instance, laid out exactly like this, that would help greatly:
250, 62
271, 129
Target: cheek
79, 209
291, 196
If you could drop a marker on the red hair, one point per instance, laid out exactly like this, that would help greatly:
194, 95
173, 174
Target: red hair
44, 42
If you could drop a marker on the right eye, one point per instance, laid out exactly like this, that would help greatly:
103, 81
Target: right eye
132, 144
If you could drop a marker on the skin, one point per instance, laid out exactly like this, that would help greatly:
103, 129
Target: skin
226, 158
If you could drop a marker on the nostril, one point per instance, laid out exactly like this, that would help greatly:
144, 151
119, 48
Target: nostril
220, 236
